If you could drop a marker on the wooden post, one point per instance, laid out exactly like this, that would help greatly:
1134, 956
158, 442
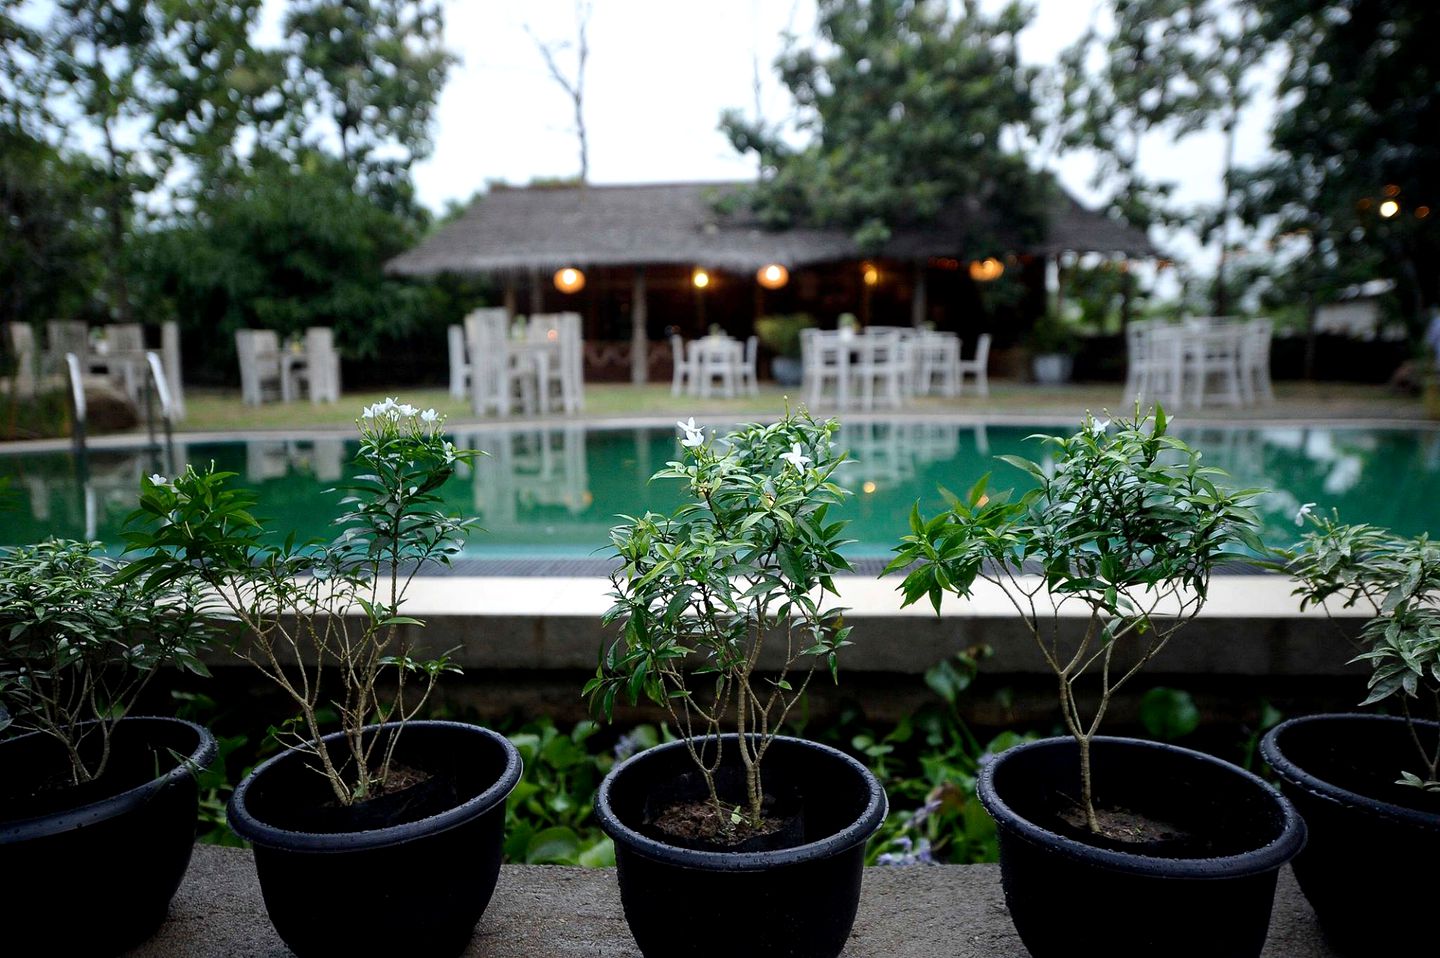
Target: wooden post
537, 293
510, 297
639, 337
919, 307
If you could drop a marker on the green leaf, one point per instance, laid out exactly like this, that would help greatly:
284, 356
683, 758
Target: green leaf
553, 846
1168, 714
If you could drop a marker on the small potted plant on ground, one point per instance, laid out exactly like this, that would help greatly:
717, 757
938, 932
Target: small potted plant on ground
87, 789
744, 841
781, 335
1105, 561
1368, 785
1052, 351
405, 813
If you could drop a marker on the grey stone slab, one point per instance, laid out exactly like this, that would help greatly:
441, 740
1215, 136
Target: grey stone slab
544, 911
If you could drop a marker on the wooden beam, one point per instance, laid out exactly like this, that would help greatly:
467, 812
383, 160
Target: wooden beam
639, 338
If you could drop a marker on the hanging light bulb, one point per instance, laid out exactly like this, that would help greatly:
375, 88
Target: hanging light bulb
569, 280
986, 270
772, 276
700, 278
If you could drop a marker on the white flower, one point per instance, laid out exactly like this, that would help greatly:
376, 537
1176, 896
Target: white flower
158, 480
1097, 427
429, 416
795, 457
408, 410
449, 451
693, 436
368, 412
1303, 512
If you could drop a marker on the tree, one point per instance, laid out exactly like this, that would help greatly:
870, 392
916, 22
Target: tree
574, 88
363, 79
910, 109
1358, 146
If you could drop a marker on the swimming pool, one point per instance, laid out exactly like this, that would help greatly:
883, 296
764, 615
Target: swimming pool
555, 492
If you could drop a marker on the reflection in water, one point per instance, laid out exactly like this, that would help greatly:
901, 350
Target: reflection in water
557, 491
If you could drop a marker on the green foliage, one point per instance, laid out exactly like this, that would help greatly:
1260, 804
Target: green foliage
550, 816
79, 643
373, 69
1052, 335
910, 107
1124, 521
740, 566
294, 603
285, 248
931, 760
1168, 714
1360, 81
49, 247
1398, 580
781, 333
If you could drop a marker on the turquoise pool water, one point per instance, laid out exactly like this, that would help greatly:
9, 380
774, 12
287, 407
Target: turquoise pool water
556, 492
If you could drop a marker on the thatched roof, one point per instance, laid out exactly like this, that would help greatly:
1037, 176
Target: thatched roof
518, 230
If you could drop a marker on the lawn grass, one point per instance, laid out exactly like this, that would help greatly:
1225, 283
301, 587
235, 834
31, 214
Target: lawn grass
222, 411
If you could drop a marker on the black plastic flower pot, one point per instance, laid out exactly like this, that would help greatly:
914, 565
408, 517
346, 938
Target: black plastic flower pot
797, 901
405, 874
91, 869
1207, 895
1368, 835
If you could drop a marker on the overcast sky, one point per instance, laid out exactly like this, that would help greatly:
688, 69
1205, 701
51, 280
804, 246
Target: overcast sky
660, 72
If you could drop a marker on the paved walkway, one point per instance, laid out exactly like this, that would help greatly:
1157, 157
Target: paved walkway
544, 911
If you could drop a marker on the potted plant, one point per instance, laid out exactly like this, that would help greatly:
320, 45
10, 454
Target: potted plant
722, 625
1105, 560
1368, 785
781, 335
88, 789
357, 815
1052, 351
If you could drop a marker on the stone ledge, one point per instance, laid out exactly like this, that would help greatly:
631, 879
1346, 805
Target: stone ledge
542, 911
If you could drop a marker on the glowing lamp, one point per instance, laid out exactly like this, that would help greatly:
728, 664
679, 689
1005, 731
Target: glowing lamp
700, 279
1389, 208
772, 276
569, 280
871, 274
869, 487
986, 270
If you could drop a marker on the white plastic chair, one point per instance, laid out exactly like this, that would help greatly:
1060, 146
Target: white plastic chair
749, 370
1212, 352
879, 369
320, 374
258, 352
459, 362
22, 344
682, 364
938, 357
558, 372
497, 376
979, 367
716, 358
824, 361
1255, 361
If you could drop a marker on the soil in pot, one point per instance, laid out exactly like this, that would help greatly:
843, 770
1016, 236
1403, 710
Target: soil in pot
1368, 834
799, 897
1122, 828
440, 838
682, 813
1203, 891
134, 827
